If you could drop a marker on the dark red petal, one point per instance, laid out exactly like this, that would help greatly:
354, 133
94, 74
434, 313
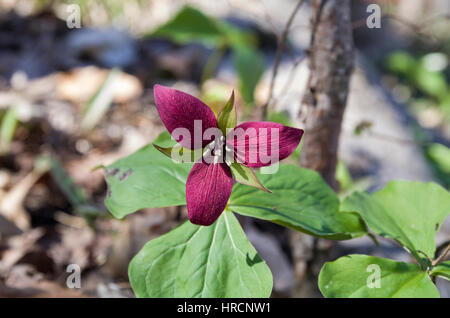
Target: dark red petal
258, 144
180, 110
208, 189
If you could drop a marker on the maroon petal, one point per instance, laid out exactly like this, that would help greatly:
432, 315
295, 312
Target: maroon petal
258, 143
180, 110
208, 189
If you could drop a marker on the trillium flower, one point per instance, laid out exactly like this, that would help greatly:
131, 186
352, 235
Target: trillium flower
220, 149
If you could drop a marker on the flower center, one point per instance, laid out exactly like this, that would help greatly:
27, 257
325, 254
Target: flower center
220, 151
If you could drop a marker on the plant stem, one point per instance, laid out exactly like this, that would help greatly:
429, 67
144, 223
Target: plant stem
213, 62
441, 257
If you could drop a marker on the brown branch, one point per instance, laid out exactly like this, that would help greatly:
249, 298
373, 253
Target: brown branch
290, 78
417, 28
279, 53
442, 256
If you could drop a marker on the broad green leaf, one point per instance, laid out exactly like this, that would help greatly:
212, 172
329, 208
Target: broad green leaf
301, 200
145, 179
247, 176
228, 116
374, 277
442, 269
164, 139
189, 25
408, 212
250, 67
201, 261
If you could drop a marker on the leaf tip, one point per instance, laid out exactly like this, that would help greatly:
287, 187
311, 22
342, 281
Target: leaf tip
262, 187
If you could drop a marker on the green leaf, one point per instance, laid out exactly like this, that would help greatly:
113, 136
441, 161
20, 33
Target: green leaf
236, 36
346, 184
430, 82
7, 129
71, 190
343, 175
301, 200
145, 179
250, 67
189, 25
247, 176
100, 103
201, 261
164, 139
215, 95
179, 153
353, 275
440, 154
228, 116
401, 62
280, 117
442, 269
408, 212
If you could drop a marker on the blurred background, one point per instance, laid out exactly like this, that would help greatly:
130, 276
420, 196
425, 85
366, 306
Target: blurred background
76, 81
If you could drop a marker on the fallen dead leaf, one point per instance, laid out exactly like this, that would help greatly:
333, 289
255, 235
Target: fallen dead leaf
80, 85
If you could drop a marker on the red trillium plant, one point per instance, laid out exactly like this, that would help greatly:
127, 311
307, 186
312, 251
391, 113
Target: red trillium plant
195, 260
228, 167
220, 149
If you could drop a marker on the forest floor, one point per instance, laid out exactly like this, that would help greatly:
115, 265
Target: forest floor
51, 198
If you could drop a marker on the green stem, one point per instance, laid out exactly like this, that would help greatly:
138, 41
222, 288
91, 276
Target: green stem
213, 62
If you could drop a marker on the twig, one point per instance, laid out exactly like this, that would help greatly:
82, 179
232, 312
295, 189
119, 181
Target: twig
274, 30
441, 257
291, 74
390, 138
290, 78
280, 48
417, 28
